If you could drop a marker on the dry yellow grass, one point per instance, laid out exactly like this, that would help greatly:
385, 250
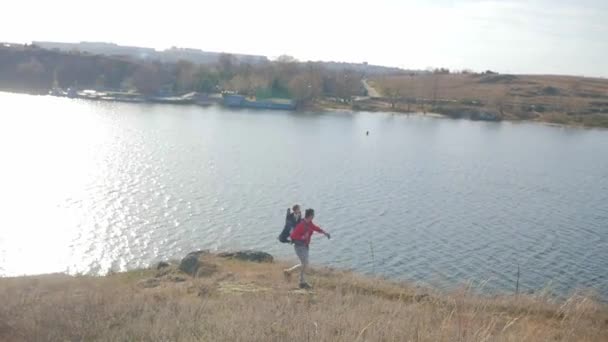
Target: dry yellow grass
252, 302
560, 99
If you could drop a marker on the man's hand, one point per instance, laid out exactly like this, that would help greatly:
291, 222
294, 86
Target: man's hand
328, 236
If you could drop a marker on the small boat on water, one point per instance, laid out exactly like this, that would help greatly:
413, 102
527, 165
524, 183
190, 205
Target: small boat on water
171, 100
199, 99
91, 94
189, 98
58, 92
127, 99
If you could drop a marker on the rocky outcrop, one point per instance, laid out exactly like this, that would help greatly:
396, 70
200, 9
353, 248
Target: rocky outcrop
255, 256
198, 263
194, 265
190, 262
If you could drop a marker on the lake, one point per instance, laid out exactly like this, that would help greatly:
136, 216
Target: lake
88, 187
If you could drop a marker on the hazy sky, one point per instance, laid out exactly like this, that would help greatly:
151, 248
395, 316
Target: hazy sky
542, 36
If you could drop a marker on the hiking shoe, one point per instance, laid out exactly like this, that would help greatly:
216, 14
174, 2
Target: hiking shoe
305, 286
287, 275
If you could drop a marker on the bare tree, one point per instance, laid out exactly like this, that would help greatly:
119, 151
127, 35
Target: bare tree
185, 75
286, 59
435, 88
347, 85
501, 101
227, 65
286, 68
392, 89
147, 79
30, 69
306, 86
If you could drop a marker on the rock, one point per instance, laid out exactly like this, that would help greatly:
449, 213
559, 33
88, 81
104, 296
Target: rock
162, 264
255, 256
190, 262
194, 266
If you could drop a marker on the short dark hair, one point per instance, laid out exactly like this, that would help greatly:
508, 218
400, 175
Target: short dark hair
309, 213
295, 206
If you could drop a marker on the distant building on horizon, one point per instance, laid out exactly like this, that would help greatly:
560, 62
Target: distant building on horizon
171, 55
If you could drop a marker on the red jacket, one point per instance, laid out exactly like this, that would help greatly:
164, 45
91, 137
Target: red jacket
303, 231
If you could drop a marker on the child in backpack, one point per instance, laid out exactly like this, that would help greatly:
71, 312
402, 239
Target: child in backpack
291, 221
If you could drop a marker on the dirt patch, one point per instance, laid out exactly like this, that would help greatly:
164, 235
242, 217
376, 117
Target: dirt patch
238, 288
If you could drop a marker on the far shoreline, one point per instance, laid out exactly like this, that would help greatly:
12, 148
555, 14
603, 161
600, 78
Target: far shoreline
327, 106
318, 108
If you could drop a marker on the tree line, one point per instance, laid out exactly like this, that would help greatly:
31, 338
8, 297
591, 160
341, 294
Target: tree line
35, 70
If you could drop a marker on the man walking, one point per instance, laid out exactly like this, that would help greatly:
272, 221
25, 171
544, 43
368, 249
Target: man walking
300, 237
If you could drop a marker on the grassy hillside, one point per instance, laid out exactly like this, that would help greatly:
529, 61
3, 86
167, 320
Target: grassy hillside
243, 301
557, 99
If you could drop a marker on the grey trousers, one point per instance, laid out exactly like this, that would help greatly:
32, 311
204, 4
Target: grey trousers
302, 253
